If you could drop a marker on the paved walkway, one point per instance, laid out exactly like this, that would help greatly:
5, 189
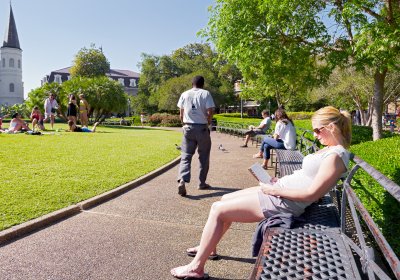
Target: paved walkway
143, 233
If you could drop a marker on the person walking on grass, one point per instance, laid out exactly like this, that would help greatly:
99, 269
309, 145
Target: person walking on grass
261, 129
50, 109
196, 110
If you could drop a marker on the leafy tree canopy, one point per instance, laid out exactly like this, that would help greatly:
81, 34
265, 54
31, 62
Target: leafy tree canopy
104, 95
164, 78
90, 63
288, 46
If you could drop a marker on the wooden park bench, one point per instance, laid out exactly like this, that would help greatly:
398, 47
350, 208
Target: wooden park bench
237, 129
331, 242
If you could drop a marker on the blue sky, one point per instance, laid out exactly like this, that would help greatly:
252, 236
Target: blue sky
52, 32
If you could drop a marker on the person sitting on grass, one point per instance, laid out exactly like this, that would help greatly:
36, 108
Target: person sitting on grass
284, 137
1, 121
290, 194
74, 128
17, 124
37, 118
261, 129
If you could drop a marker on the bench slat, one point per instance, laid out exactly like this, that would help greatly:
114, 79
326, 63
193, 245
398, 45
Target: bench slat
304, 254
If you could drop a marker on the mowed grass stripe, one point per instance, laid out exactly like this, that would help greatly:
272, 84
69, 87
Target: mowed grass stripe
41, 174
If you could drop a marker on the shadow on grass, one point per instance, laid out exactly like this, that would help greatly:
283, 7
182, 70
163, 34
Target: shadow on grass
134, 127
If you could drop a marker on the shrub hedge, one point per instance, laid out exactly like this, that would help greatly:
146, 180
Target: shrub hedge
384, 209
164, 119
300, 115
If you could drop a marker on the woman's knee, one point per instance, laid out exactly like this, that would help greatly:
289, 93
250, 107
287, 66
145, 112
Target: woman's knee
216, 208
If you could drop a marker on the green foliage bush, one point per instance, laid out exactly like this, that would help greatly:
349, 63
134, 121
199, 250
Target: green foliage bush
233, 115
245, 121
360, 133
164, 119
300, 115
384, 209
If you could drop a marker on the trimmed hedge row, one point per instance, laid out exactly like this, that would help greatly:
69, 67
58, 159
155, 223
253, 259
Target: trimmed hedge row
360, 133
292, 115
163, 119
383, 155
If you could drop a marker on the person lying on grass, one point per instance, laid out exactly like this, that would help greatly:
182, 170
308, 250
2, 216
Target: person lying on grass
74, 128
287, 195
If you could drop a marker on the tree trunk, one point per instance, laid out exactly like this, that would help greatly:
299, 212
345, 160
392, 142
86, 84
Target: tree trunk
379, 78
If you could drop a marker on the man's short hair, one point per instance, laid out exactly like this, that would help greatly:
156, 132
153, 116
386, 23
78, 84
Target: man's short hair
198, 81
265, 112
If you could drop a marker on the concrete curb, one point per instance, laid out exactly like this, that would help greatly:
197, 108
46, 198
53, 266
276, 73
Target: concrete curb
48, 219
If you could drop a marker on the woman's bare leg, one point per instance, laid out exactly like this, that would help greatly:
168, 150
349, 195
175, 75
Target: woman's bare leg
34, 123
95, 126
52, 121
244, 209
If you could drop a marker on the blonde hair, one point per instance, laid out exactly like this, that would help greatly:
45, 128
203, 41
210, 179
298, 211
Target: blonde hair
341, 119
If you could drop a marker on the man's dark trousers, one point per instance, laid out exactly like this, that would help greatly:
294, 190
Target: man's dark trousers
195, 136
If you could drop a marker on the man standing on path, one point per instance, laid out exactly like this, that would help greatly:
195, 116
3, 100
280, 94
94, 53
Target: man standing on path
196, 109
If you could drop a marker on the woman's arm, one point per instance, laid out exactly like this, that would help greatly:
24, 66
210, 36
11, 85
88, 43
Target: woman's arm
278, 129
332, 167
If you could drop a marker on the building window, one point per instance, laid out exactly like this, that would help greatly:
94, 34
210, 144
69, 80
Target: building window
121, 81
11, 63
12, 87
19, 63
57, 79
132, 83
69, 77
44, 80
4, 62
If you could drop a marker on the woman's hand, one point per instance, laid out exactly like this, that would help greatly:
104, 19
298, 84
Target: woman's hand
266, 188
274, 180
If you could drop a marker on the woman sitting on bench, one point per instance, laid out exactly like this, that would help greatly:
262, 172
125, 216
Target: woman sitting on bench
284, 137
289, 195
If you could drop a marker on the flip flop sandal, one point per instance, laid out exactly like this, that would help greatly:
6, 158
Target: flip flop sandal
257, 156
213, 257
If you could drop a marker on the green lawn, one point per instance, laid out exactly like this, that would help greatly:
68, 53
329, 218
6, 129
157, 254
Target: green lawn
40, 174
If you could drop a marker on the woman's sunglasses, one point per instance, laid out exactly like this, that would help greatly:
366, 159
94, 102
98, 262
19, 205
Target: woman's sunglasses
318, 130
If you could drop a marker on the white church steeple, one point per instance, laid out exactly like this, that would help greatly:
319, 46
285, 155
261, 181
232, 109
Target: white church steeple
11, 85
